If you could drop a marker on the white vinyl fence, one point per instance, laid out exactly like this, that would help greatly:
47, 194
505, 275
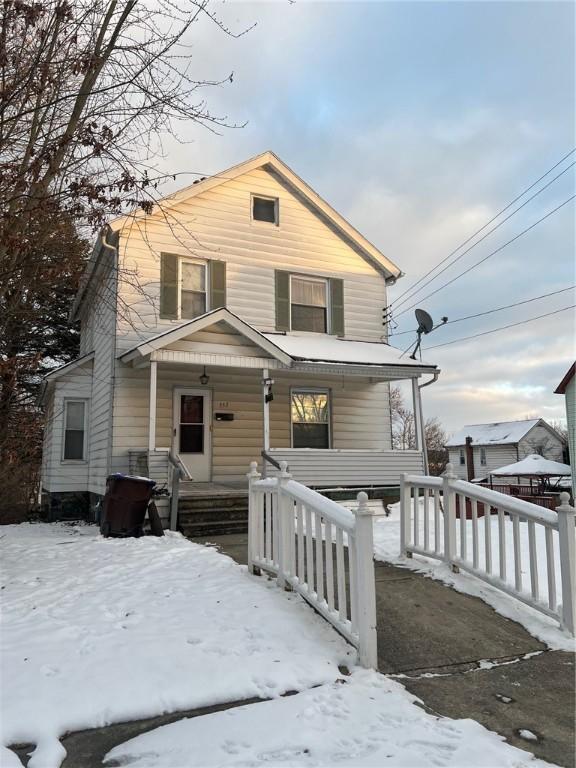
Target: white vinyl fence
520, 548
320, 550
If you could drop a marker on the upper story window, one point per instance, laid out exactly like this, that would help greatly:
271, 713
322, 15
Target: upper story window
310, 414
190, 287
308, 304
462, 457
483, 456
265, 209
193, 293
74, 448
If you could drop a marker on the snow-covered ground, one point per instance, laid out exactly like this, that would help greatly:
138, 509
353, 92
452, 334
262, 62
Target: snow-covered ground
99, 630
369, 720
387, 548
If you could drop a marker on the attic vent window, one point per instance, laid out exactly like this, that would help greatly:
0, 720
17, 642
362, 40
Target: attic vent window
265, 209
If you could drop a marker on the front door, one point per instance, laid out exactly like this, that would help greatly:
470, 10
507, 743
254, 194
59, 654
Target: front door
192, 425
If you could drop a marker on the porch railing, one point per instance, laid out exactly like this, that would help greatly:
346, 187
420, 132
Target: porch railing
319, 549
501, 540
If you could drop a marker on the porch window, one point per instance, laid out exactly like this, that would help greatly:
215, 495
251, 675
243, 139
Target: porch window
483, 456
310, 411
74, 430
308, 304
192, 289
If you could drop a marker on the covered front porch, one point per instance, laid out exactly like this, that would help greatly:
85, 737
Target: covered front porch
221, 394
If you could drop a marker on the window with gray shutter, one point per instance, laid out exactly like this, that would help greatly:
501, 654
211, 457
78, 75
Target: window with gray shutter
169, 286
217, 284
336, 306
282, 295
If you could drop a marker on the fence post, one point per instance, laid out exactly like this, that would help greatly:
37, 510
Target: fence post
566, 531
253, 522
405, 498
365, 584
285, 509
449, 503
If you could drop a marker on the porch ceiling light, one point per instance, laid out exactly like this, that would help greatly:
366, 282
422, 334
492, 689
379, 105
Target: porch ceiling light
204, 378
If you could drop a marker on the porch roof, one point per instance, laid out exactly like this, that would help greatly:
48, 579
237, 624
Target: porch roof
312, 352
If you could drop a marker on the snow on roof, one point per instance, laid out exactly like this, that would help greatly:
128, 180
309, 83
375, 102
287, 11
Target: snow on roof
329, 349
534, 465
499, 433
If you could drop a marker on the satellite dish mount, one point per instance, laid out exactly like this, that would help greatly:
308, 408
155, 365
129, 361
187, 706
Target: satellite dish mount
425, 326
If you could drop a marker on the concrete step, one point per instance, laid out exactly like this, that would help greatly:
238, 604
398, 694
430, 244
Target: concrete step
222, 527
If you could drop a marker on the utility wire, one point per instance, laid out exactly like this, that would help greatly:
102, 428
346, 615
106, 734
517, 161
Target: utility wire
493, 253
460, 256
409, 290
502, 328
495, 309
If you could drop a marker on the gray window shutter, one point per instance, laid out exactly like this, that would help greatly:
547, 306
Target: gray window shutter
282, 300
336, 306
217, 284
169, 286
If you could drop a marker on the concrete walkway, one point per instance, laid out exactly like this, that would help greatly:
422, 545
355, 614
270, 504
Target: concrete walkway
433, 640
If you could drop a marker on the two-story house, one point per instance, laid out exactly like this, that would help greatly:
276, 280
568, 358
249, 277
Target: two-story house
242, 315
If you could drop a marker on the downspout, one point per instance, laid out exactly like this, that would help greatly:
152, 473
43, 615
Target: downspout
433, 380
114, 249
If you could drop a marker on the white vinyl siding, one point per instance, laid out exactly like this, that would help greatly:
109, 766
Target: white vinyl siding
59, 476
360, 413
496, 456
215, 224
541, 440
99, 316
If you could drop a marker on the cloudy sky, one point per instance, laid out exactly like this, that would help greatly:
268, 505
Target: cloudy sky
419, 121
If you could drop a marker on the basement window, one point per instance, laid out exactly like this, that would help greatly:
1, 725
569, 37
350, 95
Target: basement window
265, 209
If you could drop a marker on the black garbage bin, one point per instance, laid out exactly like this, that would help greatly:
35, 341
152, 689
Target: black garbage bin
124, 505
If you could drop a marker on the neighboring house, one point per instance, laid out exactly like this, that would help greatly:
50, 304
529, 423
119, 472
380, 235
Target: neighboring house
478, 449
567, 387
242, 315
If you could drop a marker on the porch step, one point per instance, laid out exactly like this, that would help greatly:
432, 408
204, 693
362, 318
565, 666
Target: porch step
206, 515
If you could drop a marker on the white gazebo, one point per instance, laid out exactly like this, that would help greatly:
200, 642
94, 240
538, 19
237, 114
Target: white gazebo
534, 467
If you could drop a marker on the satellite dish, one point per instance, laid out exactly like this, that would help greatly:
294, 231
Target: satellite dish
425, 322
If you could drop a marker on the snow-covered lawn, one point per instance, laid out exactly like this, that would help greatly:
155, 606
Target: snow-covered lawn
99, 630
387, 548
367, 721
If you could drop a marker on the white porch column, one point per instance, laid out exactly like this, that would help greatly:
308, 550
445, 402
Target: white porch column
152, 407
419, 422
266, 410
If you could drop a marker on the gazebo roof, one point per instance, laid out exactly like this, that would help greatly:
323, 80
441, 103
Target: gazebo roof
533, 466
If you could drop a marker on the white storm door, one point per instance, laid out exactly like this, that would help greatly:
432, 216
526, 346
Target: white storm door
192, 431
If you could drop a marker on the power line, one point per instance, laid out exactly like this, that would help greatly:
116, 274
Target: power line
408, 290
495, 309
502, 328
493, 253
460, 256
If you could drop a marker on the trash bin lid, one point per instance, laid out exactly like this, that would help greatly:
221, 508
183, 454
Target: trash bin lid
136, 478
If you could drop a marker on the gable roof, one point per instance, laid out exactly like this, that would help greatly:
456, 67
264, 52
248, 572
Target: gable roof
271, 162
161, 340
561, 388
498, 433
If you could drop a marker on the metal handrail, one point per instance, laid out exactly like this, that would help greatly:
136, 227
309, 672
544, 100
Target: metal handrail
267, 458
179, 471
